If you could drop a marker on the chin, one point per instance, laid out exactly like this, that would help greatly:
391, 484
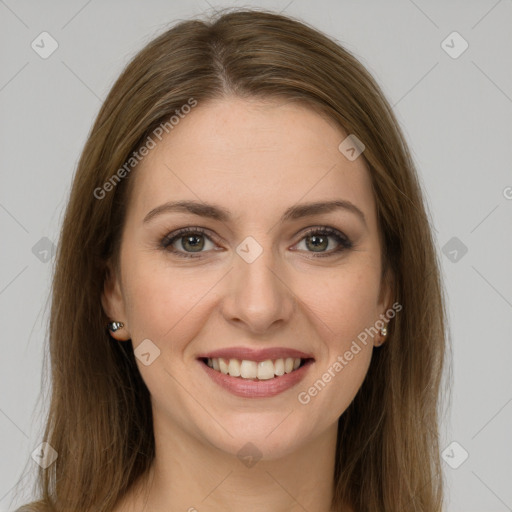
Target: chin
268, 439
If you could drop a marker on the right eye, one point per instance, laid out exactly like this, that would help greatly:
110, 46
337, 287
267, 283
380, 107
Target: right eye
190, 240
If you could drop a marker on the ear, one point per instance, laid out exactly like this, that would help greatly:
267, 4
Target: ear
112, 300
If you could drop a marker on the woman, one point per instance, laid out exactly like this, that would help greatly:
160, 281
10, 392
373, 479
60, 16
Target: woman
247, 222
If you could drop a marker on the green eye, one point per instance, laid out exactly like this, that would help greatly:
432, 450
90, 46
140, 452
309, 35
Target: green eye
317, 239
192, 241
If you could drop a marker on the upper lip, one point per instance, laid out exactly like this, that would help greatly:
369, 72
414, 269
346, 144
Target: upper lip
257, 355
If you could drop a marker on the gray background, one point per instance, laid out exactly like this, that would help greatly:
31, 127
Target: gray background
456, 114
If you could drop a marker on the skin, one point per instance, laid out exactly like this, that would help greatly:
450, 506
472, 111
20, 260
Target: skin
255, 158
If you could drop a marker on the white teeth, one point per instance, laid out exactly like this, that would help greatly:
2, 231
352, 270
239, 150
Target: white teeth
234, 368
223, 366
262, 370
266, 369
279, 367
248, 370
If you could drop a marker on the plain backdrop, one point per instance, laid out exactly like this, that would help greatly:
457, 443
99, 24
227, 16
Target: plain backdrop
453, 102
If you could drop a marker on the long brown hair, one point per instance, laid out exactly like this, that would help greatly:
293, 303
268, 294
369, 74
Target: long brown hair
99, 419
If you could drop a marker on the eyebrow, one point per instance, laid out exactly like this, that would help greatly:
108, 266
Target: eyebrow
221, 214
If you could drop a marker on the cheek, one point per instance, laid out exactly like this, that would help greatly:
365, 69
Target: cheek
341, 310
344, 378
344, 301
164, 303
345, 306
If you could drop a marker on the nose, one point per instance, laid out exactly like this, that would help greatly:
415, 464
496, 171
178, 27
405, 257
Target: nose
258, 295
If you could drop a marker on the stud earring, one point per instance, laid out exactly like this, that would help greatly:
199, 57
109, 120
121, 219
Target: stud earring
383, 333
115, 326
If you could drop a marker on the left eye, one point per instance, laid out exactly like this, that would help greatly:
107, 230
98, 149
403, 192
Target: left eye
319, 239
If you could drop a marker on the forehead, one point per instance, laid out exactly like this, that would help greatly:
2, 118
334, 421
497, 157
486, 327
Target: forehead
253, 156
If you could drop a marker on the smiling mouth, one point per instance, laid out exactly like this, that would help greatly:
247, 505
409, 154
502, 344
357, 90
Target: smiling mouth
252, 370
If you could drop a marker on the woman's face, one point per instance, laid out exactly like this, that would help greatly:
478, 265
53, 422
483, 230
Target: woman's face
262, 273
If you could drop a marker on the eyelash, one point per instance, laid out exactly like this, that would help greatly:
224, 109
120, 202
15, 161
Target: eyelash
344, 241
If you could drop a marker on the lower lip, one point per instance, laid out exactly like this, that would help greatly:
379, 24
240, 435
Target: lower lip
247, 388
